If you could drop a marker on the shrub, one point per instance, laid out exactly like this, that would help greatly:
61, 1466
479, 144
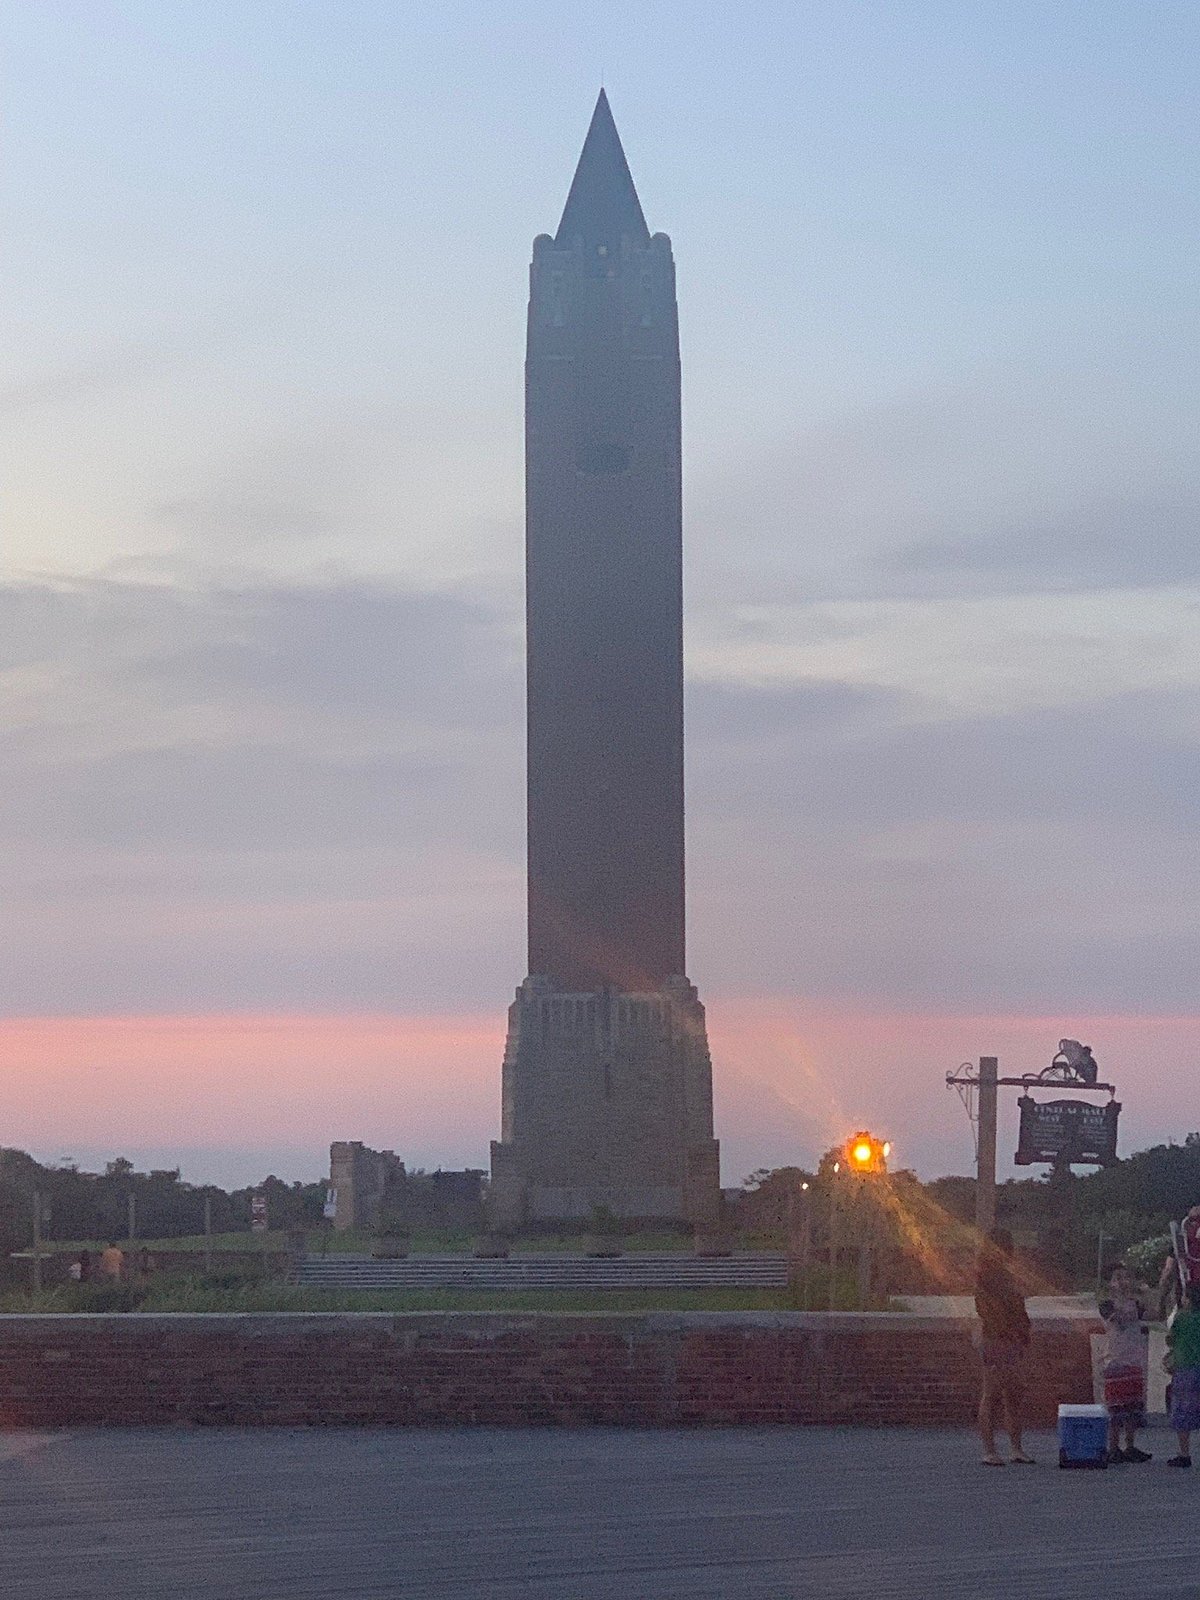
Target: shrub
105, 1296
605, 1225
1146, 1258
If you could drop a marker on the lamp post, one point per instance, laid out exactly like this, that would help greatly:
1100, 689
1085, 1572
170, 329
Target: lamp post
866, 1157
37, 1242
1102, 1239
799, 1241
985, 1159
1072, 1065
805, 1245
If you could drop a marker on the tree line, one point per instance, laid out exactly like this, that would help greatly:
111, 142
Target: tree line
79, 1206
1072, 1222
1068, 1224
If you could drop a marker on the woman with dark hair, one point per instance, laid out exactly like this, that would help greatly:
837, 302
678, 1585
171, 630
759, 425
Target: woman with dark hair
1000, 1307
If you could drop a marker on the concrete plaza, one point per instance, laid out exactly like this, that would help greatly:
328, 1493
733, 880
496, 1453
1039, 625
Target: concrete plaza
556, 1514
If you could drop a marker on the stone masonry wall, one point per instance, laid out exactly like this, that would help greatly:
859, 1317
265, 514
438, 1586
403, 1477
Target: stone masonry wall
510, 1369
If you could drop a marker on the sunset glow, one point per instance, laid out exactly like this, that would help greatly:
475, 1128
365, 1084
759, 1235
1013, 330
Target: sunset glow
262, 734
789, 1081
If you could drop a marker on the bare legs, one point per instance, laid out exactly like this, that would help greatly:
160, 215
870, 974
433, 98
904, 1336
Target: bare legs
987, 1419
1002, 1390
1014, 1413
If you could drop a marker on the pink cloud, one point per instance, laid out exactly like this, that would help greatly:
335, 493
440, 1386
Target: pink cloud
789, 1080
792, 1079
423, 1085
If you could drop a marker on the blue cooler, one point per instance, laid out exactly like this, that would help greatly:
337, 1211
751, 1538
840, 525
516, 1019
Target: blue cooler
1082, 1436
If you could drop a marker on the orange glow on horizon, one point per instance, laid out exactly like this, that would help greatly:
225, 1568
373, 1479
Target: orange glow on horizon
789, 1079
247, 1080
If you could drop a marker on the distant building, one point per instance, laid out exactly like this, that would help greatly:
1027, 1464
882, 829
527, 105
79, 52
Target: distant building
445, 1201
360, 1181
373, 1188
607, 1098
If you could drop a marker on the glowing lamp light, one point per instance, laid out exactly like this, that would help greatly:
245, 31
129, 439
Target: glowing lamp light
866, 1154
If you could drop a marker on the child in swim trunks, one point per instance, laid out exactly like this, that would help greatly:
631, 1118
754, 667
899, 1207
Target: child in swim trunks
1124, 1314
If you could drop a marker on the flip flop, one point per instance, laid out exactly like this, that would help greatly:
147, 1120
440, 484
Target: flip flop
992, 1461
1022, 1461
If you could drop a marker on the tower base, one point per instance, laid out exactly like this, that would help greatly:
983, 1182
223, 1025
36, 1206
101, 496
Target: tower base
607, 1107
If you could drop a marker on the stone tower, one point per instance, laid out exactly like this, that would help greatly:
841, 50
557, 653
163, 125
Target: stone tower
607, 1082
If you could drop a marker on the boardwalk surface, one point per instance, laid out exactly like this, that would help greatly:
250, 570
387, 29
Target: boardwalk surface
573, 1515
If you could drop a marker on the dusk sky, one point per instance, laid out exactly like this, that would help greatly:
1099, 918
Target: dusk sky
261, 704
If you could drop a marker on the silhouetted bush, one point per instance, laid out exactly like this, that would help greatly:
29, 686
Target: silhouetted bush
102, 1297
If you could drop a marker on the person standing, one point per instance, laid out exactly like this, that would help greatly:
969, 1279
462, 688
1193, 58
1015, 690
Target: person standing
1181, 1269
112, 1261
1183, 1340
1000, 1307
1123, 1315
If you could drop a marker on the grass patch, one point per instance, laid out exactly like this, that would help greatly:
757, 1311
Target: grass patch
203, 1295
288, 1297
229, 1291
192, 1243
421, 1244
327, 1242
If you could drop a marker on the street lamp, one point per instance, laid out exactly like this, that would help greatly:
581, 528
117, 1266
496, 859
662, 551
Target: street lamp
866, 1157
799, 1240
866, 1154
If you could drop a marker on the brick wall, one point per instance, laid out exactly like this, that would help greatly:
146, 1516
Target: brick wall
502, 1368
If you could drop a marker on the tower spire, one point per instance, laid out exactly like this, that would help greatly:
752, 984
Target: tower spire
602, 206
607, 1086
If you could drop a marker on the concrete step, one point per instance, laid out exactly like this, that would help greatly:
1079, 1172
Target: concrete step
551, 1272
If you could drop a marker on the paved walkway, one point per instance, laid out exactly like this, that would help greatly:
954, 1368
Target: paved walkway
743, 1514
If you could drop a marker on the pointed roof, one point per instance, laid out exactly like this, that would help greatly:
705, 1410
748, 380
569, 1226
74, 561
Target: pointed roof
603, 204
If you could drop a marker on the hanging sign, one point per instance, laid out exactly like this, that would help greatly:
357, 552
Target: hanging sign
1067, 1131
